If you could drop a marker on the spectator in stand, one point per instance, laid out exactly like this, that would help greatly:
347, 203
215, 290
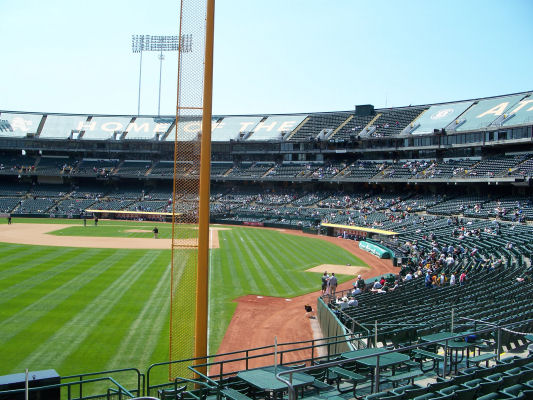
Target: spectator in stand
360, 283
452, 279
462, 278
342, 303
427, 280
356, 290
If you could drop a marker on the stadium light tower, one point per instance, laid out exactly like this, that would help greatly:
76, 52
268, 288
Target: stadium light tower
140, 43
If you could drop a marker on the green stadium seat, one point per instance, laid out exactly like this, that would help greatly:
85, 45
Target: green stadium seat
172, 394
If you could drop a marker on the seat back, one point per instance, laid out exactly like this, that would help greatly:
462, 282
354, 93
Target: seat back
466, 393
487, 387
172, 394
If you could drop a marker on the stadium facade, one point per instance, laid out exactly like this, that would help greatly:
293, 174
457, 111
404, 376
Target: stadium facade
61, 164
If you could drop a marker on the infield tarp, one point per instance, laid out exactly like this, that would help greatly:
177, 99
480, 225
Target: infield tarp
521, 113
482, 114
18, 125
439, 117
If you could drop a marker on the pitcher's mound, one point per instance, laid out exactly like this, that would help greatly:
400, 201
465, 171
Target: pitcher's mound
338, 269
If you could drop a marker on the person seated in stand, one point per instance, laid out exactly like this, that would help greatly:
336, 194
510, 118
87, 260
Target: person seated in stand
360, 283
356, 290
342, 303
377, 285
352, 302
385, 289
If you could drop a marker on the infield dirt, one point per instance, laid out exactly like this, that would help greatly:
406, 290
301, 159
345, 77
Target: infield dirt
38, 234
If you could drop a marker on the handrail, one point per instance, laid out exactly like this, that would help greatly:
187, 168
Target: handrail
292, 393
121, 389
202, 375
140, 377
311, 345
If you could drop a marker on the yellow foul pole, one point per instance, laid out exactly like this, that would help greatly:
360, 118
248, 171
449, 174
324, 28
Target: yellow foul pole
205, 171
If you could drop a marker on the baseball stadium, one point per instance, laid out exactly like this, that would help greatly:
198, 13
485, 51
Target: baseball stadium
324, 255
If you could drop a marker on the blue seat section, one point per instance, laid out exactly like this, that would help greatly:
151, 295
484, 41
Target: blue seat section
103, 128
19, 125
145, 128
61, 126
521, 113
276, 126
485, 112
393, 121
317, 123
231, 128
438, 117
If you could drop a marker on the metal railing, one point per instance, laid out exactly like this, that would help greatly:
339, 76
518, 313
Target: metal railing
281, 376
80, 379
222, 369
120, 391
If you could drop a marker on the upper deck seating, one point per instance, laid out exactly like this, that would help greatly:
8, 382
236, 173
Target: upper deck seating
133, 168
393, 121
49, 190
164, 168
318, 123
288, 170
220, 168
362, 170
352, 128
250, 170
11, 164
51, 165
446, 169
493, 166
90, 167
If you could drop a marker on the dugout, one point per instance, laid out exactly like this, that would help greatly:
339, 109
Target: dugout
360, 232
133, 215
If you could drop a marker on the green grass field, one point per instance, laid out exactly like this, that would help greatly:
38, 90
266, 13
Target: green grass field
82, 310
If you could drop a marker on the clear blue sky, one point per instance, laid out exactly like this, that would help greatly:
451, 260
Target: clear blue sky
271, 56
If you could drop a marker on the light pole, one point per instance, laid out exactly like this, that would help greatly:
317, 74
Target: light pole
140, 43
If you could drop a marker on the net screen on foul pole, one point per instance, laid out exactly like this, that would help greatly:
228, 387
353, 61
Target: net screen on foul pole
190, 207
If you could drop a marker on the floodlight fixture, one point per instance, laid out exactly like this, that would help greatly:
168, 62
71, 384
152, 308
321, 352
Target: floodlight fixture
140, 43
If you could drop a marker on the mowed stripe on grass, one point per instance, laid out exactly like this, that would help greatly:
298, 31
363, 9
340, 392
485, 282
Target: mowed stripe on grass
268, 263
46, 327
83, 310
71, 335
